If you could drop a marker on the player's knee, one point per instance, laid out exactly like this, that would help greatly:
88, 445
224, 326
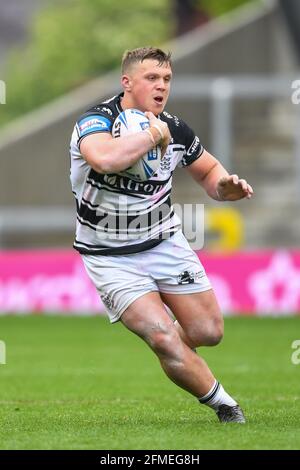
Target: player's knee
215, 333
165, 343
208, 333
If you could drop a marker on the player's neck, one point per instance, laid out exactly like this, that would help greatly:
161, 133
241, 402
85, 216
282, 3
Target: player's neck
127, 102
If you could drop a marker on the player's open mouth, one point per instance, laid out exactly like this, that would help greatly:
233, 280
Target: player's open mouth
158, 99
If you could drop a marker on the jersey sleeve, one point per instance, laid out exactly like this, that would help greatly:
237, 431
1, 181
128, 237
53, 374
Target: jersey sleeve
92, 122
193, 148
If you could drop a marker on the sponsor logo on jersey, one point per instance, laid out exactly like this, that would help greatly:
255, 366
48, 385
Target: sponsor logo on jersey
175, 118
165, 113
128, 185
94, 123
177, 122
106, 110
194, 147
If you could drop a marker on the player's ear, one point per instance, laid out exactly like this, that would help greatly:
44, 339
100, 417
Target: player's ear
126, 82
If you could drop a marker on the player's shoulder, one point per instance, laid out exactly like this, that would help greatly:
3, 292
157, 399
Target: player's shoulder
108, 108
183, 137
98, 118
172, 120
179, 129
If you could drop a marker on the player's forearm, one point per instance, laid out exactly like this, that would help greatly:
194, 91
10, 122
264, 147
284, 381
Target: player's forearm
211, 179
117, 154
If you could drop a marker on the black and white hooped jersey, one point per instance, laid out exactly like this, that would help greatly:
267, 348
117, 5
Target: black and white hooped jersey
115, 214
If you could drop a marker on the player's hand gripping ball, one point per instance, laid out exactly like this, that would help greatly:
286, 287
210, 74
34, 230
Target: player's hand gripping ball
128, 122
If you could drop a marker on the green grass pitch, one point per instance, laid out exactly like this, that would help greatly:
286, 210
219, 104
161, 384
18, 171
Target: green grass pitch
81, 383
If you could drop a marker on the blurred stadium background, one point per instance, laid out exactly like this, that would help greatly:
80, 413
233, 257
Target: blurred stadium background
235, 63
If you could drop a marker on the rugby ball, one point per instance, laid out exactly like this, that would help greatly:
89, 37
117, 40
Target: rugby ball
128, 122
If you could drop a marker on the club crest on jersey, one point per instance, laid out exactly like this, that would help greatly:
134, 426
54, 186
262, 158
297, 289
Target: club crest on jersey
188, 277
165, 164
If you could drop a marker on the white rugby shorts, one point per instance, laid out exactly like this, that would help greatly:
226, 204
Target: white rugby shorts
171, 267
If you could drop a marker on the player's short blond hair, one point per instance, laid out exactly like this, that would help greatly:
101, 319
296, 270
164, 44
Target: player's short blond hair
142, 53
